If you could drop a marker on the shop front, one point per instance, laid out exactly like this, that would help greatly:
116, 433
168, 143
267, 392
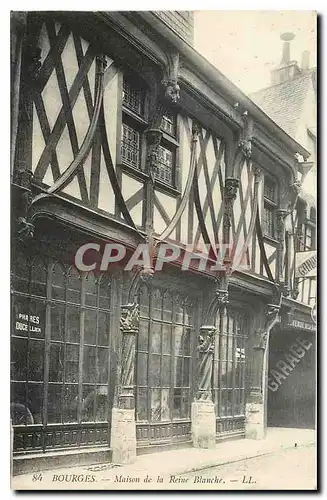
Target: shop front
61, 356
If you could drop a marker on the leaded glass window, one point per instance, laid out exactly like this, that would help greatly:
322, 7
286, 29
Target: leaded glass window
130, 146
164, 170
229, 365
268, 220
59, 359
269, 208
269, 189
133, 97
163, 373
168, 123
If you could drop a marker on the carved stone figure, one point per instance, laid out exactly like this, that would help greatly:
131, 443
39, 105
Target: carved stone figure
230, 192
206, 348
129, 321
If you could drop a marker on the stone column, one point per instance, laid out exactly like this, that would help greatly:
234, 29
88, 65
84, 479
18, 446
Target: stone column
203, 412
123, 428
256, 404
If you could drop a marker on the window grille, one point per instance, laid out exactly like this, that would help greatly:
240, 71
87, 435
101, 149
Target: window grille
268, 220
132, 98
59, 375
168, 123
229, 367
269, 208
269, 189
163, 371
130, 146
164, 169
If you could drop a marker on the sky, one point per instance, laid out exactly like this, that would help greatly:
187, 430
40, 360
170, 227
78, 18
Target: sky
246, 45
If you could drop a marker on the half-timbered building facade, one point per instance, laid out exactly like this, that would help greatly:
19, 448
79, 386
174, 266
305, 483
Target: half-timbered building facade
123, 134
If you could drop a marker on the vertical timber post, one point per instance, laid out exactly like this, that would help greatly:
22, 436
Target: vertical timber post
255, 412
123, 427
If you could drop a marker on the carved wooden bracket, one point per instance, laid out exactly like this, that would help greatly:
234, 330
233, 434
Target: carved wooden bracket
262, 334
220, 299
170, 81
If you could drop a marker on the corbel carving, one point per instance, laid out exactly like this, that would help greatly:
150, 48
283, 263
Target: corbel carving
170, 80
257, 172
165, 94
271, 318
102, 64
246, 147
146, 275
230, 192
220, 299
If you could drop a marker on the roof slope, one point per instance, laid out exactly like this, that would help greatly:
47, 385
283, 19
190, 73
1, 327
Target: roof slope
283, 102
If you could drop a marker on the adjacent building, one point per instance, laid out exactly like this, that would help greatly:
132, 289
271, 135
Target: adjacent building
123, 134
291, 102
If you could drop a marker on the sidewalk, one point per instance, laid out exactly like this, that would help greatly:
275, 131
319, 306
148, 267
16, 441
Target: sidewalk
163, 464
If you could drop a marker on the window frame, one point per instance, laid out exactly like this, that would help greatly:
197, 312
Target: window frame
100, 386
137, 121
270, 205
154, 293
231, 339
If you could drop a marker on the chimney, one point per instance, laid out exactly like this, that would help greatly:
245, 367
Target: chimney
287, 37
305, 62
287, 69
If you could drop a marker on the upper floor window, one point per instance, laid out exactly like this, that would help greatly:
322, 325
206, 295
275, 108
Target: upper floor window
133, 122
133, 97
269, 208
164, 169
133, 134
130, 145
168, 123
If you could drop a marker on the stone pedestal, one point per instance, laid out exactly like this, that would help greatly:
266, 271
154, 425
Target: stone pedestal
203, 424
123, 436
255, 427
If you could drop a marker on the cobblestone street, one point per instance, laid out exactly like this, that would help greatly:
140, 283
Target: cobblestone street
290, 469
